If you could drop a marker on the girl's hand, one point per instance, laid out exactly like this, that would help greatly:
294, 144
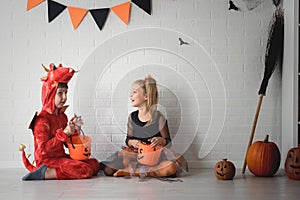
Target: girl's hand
134, 143
157, 141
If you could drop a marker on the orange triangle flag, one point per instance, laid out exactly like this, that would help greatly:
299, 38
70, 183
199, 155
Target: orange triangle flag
123, 11
77, 15
33, 3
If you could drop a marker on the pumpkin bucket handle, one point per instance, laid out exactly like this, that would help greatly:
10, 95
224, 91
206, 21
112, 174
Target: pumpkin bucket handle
71, 141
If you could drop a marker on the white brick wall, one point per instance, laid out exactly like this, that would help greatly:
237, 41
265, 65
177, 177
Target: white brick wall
191, 90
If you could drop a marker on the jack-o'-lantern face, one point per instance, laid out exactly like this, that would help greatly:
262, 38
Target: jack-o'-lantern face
87, 152
79, 147
224, 170
148, 155
140, 153
292, 163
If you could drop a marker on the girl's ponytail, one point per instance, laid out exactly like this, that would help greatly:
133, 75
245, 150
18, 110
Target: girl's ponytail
152, 101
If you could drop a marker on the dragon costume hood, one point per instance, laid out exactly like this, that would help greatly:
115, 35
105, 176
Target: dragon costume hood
54, 76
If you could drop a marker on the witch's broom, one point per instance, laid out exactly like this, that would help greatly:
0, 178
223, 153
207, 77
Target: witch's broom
273, 57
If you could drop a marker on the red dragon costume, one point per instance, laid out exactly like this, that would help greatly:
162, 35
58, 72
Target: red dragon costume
49, 137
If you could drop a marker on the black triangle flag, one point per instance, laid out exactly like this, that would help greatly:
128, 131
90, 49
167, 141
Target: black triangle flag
143, 4
54, 9
100, 16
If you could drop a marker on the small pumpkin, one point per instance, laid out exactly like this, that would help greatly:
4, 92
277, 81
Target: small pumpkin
263, 158
292, 163
224, 170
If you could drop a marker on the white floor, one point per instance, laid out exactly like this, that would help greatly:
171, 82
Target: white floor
198, 184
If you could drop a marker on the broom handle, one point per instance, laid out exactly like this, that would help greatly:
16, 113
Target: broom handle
253, 130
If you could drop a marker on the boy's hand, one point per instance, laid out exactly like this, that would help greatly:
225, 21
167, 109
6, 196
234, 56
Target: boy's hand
77, 121
69, 130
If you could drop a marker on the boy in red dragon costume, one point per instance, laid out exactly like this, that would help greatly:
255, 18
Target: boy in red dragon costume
51, 129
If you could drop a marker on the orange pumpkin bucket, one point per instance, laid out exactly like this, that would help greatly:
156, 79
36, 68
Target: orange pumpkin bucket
148, 155
79, 147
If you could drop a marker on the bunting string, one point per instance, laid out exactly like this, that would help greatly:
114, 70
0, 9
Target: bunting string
122, 11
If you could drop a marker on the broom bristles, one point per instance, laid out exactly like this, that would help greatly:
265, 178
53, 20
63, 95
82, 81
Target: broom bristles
274, 48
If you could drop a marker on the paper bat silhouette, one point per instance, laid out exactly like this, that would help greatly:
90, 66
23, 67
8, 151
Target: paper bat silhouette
233, 7
182, 42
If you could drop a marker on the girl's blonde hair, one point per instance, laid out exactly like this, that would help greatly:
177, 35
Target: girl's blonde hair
150, 89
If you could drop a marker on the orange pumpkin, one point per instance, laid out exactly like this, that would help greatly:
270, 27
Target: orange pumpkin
292, 163
224, 170
263, 158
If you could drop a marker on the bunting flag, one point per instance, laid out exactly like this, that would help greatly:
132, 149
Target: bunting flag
100, 16
144, 5
33, 3
122, 11
77, 15
54, 9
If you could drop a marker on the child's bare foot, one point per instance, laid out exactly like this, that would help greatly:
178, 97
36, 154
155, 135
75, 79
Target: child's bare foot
122, 172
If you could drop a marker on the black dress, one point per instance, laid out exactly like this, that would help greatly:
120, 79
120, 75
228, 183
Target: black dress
141, 131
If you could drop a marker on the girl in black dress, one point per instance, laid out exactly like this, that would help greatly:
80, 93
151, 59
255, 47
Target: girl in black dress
148, 126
